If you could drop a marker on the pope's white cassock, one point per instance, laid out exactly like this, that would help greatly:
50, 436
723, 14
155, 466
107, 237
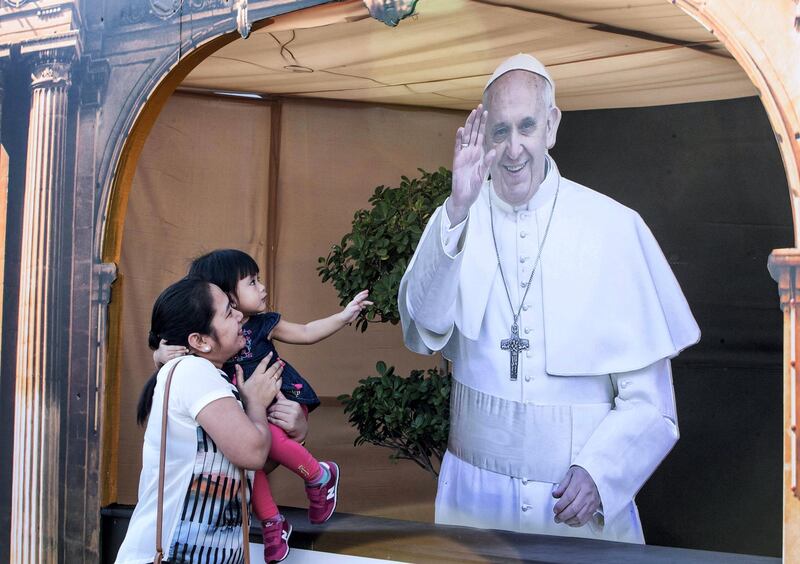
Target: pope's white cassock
603, 316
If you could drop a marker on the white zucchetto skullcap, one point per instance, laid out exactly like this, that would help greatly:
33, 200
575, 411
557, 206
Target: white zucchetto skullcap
524, 62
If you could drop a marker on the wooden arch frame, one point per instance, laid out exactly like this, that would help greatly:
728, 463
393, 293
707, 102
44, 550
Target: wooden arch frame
762, 36
121, 168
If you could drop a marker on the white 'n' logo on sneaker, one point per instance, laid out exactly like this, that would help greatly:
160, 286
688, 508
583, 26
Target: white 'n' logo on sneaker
332, 492
285, 536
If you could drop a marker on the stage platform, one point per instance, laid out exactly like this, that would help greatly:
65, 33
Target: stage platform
367, 540
406, 541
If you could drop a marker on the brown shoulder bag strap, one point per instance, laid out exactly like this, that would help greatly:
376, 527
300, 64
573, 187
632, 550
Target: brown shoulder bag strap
162, 461
245, 516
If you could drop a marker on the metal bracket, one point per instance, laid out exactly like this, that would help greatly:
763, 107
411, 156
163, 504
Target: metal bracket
243, 24
96, 73
104, 275
390, 12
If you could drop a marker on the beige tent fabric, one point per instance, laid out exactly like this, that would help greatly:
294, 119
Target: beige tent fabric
601, 53
201, 183
190, 198
332, 158
333, 155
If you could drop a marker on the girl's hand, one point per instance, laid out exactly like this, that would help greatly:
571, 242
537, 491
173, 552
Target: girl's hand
263, 385
351, 310
164, 353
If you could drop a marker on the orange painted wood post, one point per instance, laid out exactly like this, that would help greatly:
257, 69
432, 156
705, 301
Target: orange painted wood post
764, 37
784, 265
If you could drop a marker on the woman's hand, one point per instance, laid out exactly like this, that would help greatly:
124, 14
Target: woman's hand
263, 385
289, 416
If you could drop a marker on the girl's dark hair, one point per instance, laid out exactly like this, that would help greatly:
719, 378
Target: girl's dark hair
224, 267
184, 308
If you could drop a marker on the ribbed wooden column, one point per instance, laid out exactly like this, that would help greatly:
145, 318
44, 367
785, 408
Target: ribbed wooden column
2, 83
784, 266
37, 416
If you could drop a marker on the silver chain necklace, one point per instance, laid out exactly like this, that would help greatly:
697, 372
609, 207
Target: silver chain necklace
514, 345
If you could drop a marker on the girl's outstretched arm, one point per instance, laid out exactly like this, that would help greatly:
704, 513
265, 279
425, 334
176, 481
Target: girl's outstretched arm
314, 331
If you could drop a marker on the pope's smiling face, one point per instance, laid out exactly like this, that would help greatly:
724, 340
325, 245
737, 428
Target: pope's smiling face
521, 126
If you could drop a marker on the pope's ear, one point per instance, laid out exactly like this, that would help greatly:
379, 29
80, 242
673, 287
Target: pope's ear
553, 119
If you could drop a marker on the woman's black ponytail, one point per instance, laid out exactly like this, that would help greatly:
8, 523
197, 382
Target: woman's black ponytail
153, 341
184, 308
146, 399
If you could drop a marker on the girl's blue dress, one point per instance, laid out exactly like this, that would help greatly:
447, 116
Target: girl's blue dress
257, 346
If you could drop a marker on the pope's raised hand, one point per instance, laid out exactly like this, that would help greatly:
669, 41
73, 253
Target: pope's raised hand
470, 164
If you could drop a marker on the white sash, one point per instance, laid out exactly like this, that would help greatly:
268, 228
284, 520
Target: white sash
527, 441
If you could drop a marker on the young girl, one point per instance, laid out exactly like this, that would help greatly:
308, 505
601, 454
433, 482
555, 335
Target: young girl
236, 273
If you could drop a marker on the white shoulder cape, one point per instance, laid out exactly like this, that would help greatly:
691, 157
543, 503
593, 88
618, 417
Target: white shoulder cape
611, 301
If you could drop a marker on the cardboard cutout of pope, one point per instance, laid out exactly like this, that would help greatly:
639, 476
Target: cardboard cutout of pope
560, 314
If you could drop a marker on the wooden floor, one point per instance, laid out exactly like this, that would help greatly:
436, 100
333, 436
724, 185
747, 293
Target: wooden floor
371, 484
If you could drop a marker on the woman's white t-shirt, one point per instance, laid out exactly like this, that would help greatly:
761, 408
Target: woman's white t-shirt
202, 508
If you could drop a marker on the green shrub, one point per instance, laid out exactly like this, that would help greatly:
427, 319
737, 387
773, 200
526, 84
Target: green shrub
410, 415
374, 255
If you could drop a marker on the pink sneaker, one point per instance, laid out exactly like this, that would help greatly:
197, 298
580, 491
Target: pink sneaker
322, 499
276, 534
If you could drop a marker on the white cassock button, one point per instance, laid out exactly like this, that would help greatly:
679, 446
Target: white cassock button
523, 215
526, 307
525, 507
524, 482
527, 330
527, 379
523, 234
523, 284
624, 384
523, 259
527, 355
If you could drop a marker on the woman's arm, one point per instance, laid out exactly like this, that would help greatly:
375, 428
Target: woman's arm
243, 436
314, 331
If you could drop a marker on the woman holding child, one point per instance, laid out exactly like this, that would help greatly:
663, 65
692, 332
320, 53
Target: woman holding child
209, 433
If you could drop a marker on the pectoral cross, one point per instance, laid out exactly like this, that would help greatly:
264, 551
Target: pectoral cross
514, 346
